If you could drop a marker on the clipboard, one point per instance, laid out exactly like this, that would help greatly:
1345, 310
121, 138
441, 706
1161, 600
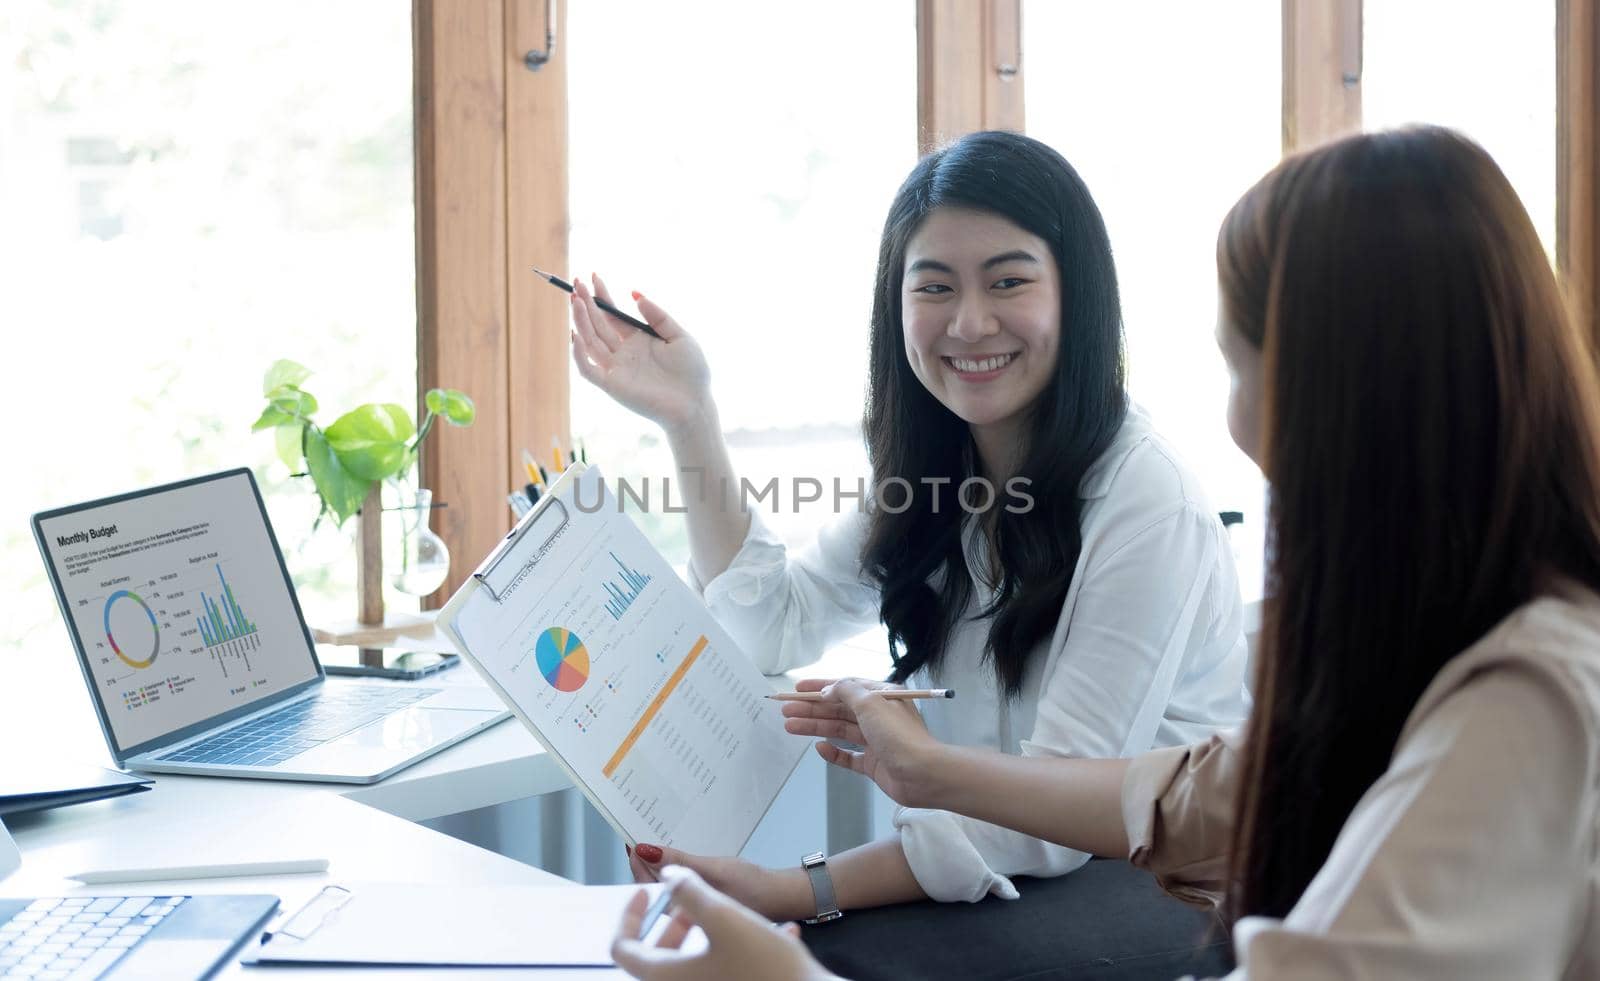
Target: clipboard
543, 522
495, 568
652, 656
377, 924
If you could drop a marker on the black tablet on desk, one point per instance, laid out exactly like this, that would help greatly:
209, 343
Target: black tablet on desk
35, 785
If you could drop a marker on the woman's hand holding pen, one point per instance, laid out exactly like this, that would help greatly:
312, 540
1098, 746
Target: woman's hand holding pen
897, 751
740, 943
665, 380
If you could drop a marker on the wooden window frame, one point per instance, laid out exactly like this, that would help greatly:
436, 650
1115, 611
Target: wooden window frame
1322, 43
1577, 160
491, 201
969, 69
1322, 101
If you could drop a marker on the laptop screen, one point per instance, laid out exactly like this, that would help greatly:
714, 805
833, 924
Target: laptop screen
179, 603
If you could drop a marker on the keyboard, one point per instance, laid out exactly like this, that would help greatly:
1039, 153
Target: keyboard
78, 938
299, 726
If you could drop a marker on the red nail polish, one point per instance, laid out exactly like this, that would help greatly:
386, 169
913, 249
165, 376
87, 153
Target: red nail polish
638, 295
649, 853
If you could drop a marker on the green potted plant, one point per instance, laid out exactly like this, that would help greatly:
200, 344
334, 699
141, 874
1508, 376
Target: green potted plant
348, 461
369, 444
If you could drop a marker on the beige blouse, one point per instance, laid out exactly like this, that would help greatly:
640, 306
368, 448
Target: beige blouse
1473, 856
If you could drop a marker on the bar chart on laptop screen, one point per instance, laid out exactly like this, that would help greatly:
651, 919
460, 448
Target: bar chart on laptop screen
180, 606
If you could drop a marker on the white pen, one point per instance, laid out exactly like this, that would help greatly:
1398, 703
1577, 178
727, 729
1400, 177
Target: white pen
892, 694
172, 872
657, 907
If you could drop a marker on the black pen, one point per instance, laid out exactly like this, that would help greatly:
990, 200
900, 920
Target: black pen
608, 308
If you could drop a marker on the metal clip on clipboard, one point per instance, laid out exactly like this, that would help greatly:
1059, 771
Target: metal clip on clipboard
310, 918
551, 515
374, 925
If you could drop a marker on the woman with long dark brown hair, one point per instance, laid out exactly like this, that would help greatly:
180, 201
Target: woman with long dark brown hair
1417, 791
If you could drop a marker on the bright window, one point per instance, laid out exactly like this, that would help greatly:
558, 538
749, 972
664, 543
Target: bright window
743, 186
1485, 67
192, 190
1169, 113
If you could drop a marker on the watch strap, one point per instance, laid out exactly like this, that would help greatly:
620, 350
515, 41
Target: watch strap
816, 866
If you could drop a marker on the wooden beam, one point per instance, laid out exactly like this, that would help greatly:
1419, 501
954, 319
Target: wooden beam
969, 68
369, 558
1577, 159
1321, 71
460, 105
537, 233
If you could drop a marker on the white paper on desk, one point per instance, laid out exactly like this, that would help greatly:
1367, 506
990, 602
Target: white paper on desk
461, 926
656, 714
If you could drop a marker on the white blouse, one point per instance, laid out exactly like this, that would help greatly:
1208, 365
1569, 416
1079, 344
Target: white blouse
1148, 652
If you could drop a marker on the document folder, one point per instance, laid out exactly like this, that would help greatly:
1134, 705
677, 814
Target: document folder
380, 924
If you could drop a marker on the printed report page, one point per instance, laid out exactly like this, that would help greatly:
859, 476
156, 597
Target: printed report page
625, 674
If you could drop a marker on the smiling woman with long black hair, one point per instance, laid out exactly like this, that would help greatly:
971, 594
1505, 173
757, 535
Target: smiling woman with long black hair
1032, 542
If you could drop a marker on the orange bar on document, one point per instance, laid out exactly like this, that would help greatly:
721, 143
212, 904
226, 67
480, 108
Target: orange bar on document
655, 706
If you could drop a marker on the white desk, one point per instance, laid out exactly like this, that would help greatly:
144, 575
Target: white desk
217, 820
366, 832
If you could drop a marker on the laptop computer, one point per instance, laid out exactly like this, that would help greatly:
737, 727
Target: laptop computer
197, 656
123, 937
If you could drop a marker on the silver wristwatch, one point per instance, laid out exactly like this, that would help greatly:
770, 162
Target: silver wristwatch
816, 866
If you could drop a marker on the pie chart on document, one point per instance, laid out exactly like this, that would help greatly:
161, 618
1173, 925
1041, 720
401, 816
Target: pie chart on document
563, 660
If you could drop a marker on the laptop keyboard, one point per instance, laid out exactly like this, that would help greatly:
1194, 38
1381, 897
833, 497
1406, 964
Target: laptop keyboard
80, 937
295, 728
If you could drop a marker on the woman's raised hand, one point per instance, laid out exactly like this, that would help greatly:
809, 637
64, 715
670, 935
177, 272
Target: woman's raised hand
665, 380
897, 751
740, 943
